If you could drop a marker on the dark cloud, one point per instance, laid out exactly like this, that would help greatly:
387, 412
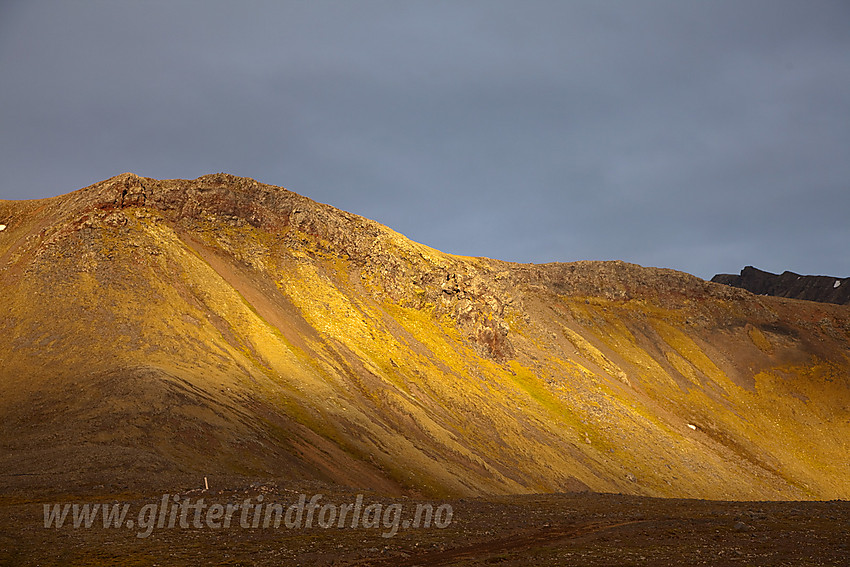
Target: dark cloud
699, 136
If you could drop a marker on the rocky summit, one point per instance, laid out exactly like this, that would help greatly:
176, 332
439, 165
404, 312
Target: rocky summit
154, 330
826, 289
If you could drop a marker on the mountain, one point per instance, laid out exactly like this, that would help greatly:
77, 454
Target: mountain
826, 289
159, 330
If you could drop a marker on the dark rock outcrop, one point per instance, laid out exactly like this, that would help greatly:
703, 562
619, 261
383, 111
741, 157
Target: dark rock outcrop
824, 289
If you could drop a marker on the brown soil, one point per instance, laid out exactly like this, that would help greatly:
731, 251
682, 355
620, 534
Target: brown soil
582, 529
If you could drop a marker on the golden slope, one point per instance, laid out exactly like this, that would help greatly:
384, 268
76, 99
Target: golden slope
221, 326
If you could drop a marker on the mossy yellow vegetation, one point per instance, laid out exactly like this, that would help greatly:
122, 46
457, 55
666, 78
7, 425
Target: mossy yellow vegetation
235, 327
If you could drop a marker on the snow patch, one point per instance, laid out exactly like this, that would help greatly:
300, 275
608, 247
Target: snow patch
836, 284
692, 426
2, 227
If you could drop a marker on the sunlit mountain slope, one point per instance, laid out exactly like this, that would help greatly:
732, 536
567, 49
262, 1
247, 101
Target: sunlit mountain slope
152, 329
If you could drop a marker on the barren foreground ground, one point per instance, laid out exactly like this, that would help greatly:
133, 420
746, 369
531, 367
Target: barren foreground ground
562, 529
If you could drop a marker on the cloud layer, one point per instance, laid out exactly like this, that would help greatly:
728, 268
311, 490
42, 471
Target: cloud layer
698, 136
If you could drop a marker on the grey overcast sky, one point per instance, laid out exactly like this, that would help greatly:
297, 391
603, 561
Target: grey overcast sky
696, 135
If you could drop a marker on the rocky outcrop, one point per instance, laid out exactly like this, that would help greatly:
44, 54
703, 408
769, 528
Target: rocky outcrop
397, 269
825, 289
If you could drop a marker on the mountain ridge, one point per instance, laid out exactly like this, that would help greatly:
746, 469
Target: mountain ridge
824, 289
231, 327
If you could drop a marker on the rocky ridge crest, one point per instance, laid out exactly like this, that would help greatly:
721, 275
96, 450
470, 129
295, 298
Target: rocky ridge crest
823, 289
472, 291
